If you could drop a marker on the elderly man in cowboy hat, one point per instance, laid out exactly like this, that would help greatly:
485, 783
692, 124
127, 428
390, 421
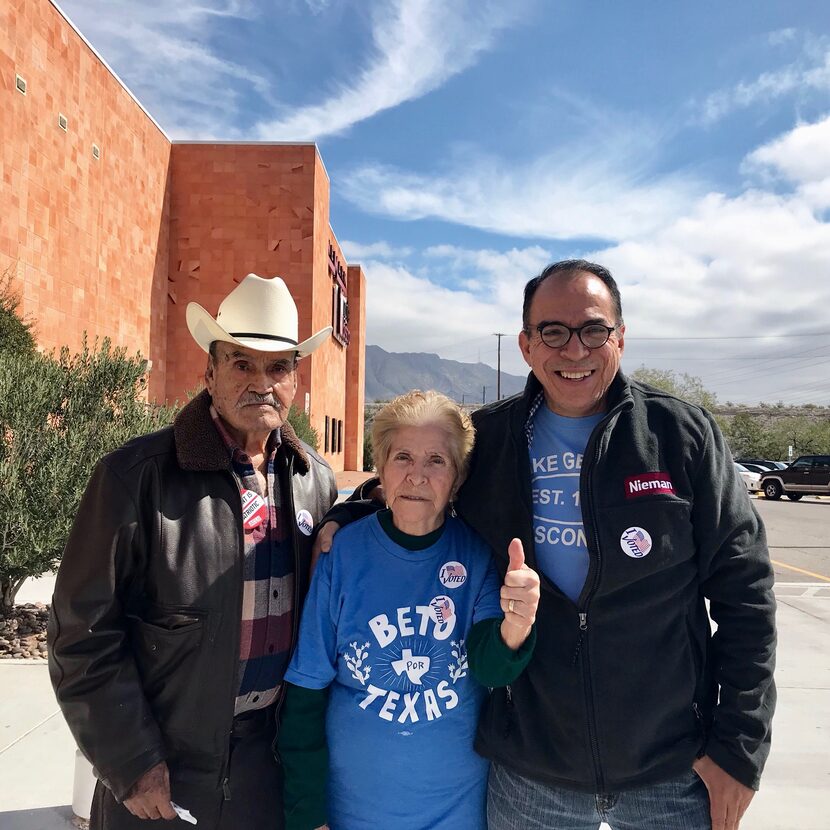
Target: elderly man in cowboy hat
176, 605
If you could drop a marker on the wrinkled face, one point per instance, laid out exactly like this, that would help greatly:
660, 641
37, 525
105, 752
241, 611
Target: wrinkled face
575, 378
251, 390
418, 478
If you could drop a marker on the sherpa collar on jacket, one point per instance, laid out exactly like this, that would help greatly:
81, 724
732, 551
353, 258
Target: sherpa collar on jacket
200, 448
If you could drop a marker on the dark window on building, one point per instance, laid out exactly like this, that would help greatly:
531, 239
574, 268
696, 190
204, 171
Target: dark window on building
340, 436
339, 303
326, 439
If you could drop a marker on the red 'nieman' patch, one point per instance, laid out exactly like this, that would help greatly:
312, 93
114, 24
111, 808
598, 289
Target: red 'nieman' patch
647, 484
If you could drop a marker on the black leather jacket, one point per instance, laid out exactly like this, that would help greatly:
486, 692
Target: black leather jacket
145, 628
627, 685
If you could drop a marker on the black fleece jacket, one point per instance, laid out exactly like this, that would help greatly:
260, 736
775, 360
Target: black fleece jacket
627, 686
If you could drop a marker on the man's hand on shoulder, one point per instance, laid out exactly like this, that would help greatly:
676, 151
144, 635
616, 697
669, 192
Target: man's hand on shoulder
376, 494
150, 795
728, 798
322, 544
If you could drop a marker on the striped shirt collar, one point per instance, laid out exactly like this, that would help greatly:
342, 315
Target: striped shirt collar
274, 439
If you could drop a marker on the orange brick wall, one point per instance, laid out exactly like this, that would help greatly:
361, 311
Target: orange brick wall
86, 238
328, 379
356, 368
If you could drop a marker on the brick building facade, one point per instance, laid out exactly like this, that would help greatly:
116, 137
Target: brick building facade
110, 228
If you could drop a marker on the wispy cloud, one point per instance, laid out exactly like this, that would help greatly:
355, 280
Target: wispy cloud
498, 275
417, 45
810, 73
601, 189
164, 51
782, 36
161, 51
355, 251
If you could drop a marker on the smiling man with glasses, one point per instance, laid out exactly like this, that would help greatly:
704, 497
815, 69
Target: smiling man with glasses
627, 501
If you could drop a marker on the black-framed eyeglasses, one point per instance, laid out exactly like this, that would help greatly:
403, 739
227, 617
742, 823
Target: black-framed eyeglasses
558, 335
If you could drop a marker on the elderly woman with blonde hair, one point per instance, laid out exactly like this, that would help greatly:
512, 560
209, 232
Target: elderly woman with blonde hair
404, 626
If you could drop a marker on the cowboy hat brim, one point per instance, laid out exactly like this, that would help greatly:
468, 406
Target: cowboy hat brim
205, 330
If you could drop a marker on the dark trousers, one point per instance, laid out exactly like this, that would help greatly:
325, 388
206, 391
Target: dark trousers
254, 783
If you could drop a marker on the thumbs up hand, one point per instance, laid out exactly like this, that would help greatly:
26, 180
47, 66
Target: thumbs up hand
519, 597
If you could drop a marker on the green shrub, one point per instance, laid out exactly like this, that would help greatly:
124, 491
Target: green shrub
58, 416
15, 333
301, 423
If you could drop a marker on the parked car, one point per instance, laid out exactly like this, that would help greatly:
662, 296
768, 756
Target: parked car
807, 474
755, 468
757, 462
750, 479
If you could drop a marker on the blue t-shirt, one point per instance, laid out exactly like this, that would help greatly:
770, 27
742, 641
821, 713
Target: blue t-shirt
385, 628
555, 461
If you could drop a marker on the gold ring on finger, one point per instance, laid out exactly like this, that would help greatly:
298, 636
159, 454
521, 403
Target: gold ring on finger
510, 605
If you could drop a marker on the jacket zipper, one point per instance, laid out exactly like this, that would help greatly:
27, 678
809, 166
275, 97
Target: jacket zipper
295, 623
226, 786
508, 720
586, 662
583, 623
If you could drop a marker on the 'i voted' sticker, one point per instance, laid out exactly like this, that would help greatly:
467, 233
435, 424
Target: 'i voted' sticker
305, 522
635, 542
441, 609
254, 510
452, 575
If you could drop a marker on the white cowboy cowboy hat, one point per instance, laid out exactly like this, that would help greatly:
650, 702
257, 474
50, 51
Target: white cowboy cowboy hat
258, 314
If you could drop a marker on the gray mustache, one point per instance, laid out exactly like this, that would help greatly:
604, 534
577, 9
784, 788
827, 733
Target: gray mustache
267, 398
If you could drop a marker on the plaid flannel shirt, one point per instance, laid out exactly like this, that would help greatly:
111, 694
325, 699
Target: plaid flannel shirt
268, 590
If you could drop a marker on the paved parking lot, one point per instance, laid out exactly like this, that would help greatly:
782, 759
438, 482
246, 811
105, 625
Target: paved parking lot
798, 533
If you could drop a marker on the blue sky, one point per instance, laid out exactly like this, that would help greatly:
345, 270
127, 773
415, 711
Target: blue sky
685, 146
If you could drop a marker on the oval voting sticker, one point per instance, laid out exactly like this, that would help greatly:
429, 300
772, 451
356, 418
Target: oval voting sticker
635, 542
304, 522
441, 609
452, 575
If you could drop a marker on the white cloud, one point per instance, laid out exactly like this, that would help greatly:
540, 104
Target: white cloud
159, 49
801, 156
498, 275
810, 73
407, 312
593, 191
357, 251
417, 46
452, 302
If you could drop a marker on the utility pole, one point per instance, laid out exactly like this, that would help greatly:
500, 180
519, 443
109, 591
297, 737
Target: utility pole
483, 395
498, 334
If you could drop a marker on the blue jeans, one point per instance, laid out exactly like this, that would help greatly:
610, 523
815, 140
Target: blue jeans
517, 803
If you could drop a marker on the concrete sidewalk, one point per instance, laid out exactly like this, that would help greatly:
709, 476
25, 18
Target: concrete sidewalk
37, 752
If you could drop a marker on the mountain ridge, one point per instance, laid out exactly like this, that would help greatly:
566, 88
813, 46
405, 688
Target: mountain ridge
391, 373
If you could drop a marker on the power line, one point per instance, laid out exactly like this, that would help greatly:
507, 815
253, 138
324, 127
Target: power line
635, 338
731, 376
